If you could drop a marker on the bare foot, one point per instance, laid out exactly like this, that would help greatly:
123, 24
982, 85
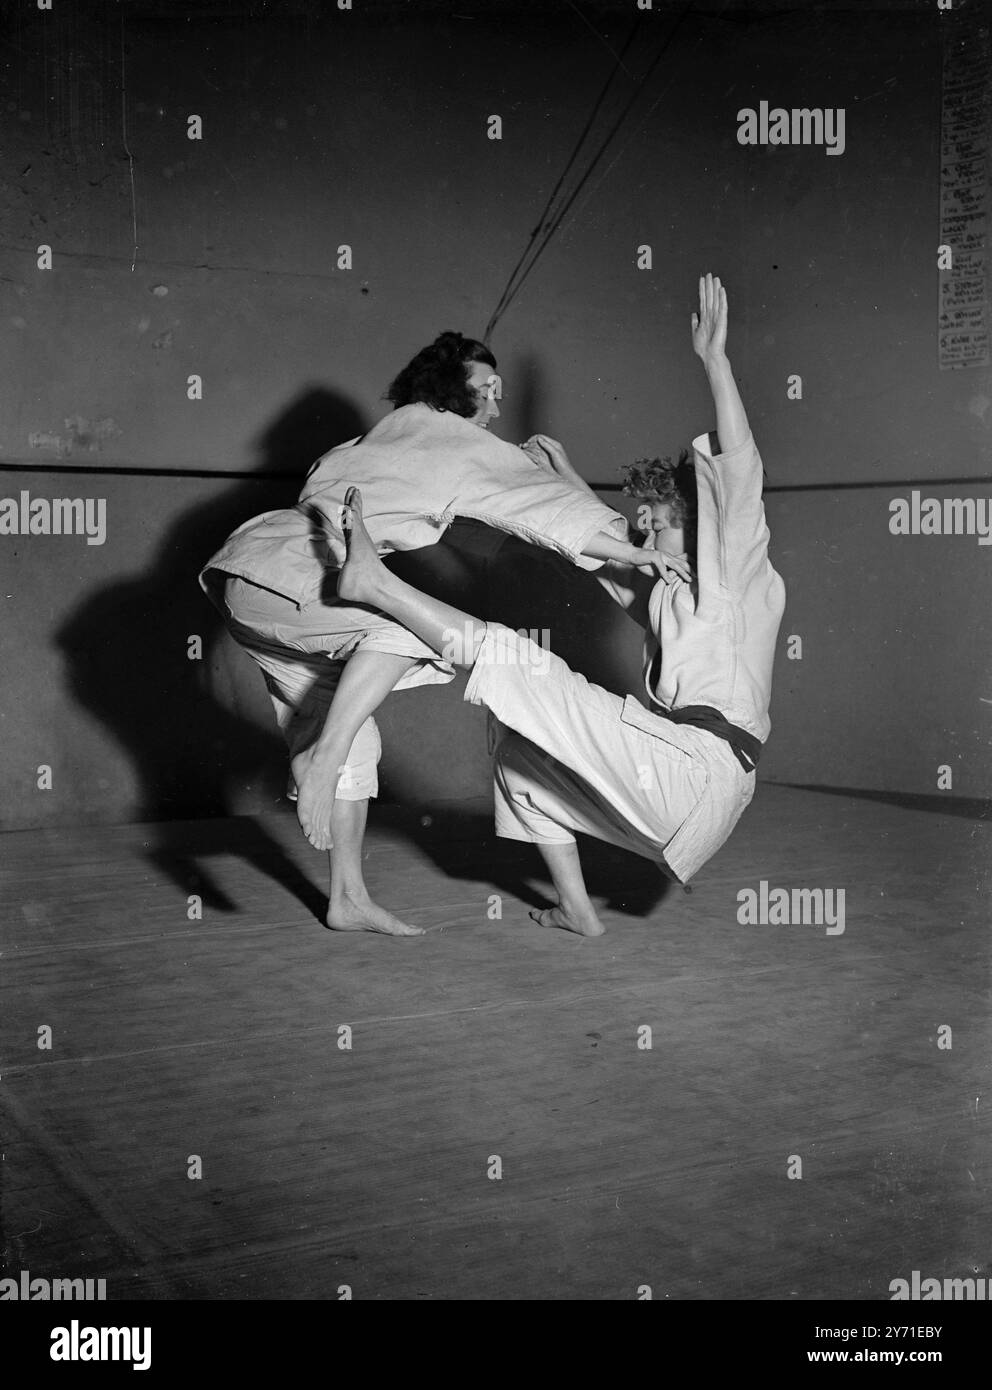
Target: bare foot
316, 784
362, 570
347, 914
584, 924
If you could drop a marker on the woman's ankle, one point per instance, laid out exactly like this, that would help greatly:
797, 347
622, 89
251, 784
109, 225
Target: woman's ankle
349, 894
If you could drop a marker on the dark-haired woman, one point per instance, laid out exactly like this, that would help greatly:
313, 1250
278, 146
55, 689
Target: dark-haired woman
329, 664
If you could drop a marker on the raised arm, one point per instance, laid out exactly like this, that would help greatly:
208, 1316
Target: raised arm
709, 342
732, 532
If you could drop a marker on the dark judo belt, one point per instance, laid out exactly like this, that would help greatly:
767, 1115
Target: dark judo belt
744, 746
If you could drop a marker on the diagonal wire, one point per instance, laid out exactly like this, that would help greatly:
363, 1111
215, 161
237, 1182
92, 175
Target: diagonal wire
552, 228
542, 220
513, 288
643, 122
589, 25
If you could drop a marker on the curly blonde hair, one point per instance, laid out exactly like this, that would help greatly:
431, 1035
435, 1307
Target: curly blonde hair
664, 480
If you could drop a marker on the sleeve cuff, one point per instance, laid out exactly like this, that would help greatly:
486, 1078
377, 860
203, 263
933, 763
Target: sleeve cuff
704, 444
617, 527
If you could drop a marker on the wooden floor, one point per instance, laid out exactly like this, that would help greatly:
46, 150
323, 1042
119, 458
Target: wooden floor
621, 1167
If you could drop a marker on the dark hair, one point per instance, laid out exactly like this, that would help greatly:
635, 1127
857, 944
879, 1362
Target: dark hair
661, 480
438, 377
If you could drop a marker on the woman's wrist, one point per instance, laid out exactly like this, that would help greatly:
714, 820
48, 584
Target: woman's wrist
716, 365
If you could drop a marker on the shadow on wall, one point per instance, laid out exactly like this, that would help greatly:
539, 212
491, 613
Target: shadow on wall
125, 651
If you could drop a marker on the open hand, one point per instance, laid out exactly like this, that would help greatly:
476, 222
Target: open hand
662, 566
709, 326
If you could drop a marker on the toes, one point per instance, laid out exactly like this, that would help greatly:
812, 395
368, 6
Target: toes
316, 835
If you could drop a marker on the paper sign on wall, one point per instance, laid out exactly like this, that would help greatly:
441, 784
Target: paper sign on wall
966, 109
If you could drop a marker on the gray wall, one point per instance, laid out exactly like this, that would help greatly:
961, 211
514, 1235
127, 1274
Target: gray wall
369, 129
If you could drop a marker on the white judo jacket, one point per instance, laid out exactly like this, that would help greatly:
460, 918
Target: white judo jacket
418, 469
718, 635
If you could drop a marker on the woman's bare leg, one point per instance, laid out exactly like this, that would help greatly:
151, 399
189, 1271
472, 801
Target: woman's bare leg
339, 825
366, 680
458, 637
350, 907
574, 912
365, 579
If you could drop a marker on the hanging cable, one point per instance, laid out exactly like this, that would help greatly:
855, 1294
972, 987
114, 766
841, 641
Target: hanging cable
542, 221
522, 271
714, 14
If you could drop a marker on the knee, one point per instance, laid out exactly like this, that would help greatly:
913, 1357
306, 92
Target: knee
515, 761
233, 596
214, 583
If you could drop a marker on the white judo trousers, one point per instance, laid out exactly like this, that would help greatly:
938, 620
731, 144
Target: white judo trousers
582, 760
